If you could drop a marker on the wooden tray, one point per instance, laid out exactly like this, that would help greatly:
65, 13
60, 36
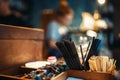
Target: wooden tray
70, 73
84, 75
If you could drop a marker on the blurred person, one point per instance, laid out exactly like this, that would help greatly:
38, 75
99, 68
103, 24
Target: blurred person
8, 17
57, 29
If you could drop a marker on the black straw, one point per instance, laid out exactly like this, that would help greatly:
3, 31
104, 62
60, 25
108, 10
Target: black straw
82, 54
69, 52
87, 50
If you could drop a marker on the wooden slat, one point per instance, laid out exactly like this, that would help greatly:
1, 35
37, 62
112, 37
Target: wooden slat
16, 32
90, 75
84, 75
8, 76
62, 76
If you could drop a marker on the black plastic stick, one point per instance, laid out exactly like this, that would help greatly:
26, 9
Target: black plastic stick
59, 45
67, 45
82, 54
87, 51
76, 54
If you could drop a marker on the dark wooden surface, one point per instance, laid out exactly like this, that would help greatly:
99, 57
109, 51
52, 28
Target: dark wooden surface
84, 75
20, 33
90, 75
19, 45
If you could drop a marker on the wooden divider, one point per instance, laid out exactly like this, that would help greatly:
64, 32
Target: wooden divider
19, 45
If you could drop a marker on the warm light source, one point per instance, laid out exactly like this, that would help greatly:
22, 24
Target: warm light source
91, 33
101, 2
101, 24
96, 15
87, 22
119, 35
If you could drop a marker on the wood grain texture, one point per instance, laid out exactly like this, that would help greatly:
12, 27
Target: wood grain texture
90, 75
84, 75
62, 76
22, 33
19, 45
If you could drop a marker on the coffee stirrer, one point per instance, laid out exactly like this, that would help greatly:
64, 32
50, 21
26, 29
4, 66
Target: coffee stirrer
82, 55
61, 48
96, 47
92, 51
73, 48
68, 49
87, 50
73, 53
70, 54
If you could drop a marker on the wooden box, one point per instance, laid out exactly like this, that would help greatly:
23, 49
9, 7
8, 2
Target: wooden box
84, 75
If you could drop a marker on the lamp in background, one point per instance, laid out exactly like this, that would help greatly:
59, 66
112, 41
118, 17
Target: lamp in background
94, 22
87, 22
96, 15
101, 2
101, 24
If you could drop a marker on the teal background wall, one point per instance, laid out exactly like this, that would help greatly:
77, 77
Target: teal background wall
37, 6
78, 6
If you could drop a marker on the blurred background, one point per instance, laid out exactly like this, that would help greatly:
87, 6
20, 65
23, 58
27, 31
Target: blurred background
32, 9
92, 18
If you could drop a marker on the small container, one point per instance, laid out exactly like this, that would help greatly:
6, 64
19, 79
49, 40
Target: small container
52, 59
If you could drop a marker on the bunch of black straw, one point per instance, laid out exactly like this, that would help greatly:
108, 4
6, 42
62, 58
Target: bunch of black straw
69, 52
